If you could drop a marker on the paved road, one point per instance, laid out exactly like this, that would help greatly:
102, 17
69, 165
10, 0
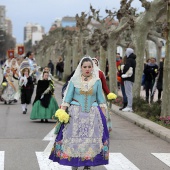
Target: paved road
22, 145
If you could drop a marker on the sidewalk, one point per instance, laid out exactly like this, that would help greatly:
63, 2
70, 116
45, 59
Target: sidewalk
146, 124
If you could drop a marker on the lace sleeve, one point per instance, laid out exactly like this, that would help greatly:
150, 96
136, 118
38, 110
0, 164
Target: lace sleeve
65, 104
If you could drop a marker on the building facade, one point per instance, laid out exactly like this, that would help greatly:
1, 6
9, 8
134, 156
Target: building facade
2, 17
33, 32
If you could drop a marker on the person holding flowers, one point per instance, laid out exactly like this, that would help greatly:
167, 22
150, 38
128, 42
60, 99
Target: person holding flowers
8, 87
45, 105
83, 138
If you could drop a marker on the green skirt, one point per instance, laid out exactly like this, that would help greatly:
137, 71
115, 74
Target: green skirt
40, 112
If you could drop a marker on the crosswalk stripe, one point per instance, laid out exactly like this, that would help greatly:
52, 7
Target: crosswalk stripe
164, 157
117, 161
50, 135
2, 157
46, 164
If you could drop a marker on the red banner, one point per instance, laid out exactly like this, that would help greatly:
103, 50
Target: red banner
10, 53
20, 50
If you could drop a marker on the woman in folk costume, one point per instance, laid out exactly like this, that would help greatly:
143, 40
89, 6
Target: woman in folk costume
110, 96
26, 84
7, 63
50, 77
15, 70
45, 105
9, 87
84, 141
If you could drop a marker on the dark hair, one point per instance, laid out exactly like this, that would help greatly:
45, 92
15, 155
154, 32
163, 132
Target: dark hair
86, 59
96, 60
45, 72
24, 71
148, 60
28, 54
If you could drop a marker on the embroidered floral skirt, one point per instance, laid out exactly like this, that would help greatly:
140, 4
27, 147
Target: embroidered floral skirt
84, 141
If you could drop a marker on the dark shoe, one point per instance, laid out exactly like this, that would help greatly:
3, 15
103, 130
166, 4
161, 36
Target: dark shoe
74, 168
124, 105
10, 102
46, 120
42, 120
5, 102
15, 101
87, 168
24, 112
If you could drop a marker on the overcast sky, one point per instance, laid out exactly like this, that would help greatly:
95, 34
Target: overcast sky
44, 12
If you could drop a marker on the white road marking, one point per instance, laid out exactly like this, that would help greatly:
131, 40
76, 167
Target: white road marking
50, 135
164, 157
2, 158
117, 161
46, 164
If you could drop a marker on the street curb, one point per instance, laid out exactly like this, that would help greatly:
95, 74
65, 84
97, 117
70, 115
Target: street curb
57, 81
146, 124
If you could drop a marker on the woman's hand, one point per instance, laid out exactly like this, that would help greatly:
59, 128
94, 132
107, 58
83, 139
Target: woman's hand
104, 111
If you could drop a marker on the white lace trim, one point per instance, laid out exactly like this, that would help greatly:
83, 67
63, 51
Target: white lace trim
65, 104
84, 141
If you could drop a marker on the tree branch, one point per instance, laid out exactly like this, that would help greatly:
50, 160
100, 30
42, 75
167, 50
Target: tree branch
145, 4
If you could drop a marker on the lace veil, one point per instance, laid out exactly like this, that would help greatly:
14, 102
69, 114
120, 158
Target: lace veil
76, 78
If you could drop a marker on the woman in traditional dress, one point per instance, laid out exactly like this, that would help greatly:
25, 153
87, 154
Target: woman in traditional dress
45, 105
15, 70
10, 89
84, 141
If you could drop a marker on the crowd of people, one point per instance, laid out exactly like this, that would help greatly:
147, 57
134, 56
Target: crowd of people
84, 140
152, 78
20, 75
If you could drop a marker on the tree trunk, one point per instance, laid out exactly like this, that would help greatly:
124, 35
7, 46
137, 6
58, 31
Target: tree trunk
90, 52
67, 62
159, 52
147, 51
103, 57
112, 65
165, 109
75, 55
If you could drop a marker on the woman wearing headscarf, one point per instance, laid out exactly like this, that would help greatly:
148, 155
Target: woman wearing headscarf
45, 105
84, 141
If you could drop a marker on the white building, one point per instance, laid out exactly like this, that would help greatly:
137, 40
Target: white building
33, 32
2, 17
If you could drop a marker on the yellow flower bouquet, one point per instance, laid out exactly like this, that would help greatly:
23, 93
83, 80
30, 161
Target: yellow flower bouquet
111, 96
4, 84
62, 117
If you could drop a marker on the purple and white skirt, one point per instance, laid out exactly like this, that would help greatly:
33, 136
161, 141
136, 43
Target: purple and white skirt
84, 141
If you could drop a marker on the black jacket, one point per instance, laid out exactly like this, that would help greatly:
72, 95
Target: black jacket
150, 72
130, 62
60, 66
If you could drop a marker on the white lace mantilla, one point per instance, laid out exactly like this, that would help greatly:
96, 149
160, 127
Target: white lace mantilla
82, 137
